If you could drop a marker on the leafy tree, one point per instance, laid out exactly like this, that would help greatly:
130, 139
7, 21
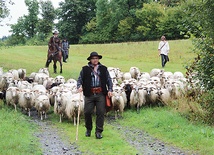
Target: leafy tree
19, 27
46, 24
73, 16
18, 32
31, 19
111, 16
149, 17
125, 29
172, 25
4, 11
202, 13
169, 3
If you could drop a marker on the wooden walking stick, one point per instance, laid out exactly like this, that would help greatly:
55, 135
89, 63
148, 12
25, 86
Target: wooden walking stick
78, 117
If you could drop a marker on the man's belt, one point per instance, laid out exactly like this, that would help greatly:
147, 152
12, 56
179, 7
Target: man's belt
96, 90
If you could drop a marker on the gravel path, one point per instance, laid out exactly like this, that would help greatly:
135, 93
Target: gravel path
53, 142
52, 139
144, 143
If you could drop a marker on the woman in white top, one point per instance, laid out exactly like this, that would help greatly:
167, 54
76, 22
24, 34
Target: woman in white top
163, 50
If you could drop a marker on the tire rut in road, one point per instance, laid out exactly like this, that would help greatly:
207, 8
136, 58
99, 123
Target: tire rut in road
52, 140
144, 143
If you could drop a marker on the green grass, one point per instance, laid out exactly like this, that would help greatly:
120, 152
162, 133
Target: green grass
16, 133
163, 123
124, 55
170, 126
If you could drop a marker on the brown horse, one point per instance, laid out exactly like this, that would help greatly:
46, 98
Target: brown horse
54, 55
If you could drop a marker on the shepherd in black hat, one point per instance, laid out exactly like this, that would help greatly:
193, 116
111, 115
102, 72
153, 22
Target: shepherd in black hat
95, 82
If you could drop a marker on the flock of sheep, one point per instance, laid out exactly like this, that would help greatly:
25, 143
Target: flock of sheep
40, 91
131, 89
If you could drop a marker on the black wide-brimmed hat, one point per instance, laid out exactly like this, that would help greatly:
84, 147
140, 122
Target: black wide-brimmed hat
93, 54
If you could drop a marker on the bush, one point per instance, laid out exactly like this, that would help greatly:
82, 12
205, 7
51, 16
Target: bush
206, 102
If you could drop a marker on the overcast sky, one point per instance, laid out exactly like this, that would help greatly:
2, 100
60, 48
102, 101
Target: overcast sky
17, 10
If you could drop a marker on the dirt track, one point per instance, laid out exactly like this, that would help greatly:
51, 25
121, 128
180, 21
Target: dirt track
54, 143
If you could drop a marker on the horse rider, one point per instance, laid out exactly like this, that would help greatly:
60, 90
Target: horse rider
55, 41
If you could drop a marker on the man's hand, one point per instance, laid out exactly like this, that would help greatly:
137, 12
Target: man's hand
79, 90
110, 94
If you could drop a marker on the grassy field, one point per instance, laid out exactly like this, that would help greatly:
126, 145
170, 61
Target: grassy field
125, 55
163, 123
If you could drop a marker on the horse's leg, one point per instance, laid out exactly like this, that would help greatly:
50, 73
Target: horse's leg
54, 67
47, 63
60, 66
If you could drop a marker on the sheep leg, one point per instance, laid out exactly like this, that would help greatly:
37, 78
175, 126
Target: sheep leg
138, 108
45, 115
41, 115
60, 118
15, 107
115, 114
75, 120
28, 112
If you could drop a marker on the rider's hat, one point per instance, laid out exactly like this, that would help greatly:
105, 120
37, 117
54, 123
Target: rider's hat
55, 32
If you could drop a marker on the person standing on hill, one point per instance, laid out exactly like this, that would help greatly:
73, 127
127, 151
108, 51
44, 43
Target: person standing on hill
95, 82
163, 50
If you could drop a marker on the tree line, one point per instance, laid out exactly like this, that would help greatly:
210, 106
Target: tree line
103, 21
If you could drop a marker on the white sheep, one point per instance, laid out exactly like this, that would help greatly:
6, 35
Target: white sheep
48, 82
61, 103
15, 73
112, 72
42, 105
24, 85
12, 96
40, 78
127, 76
22, 73
156, 72
143, 75
118, 102
121, 90
39, 90
152, 95
155, 80
178, 75
165, 77
163, 95
134, 71
52, 92
73, 81
44, 70
59, 79
138, 97
3, 83
75, 104
26, 99
9, 77
32, 75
